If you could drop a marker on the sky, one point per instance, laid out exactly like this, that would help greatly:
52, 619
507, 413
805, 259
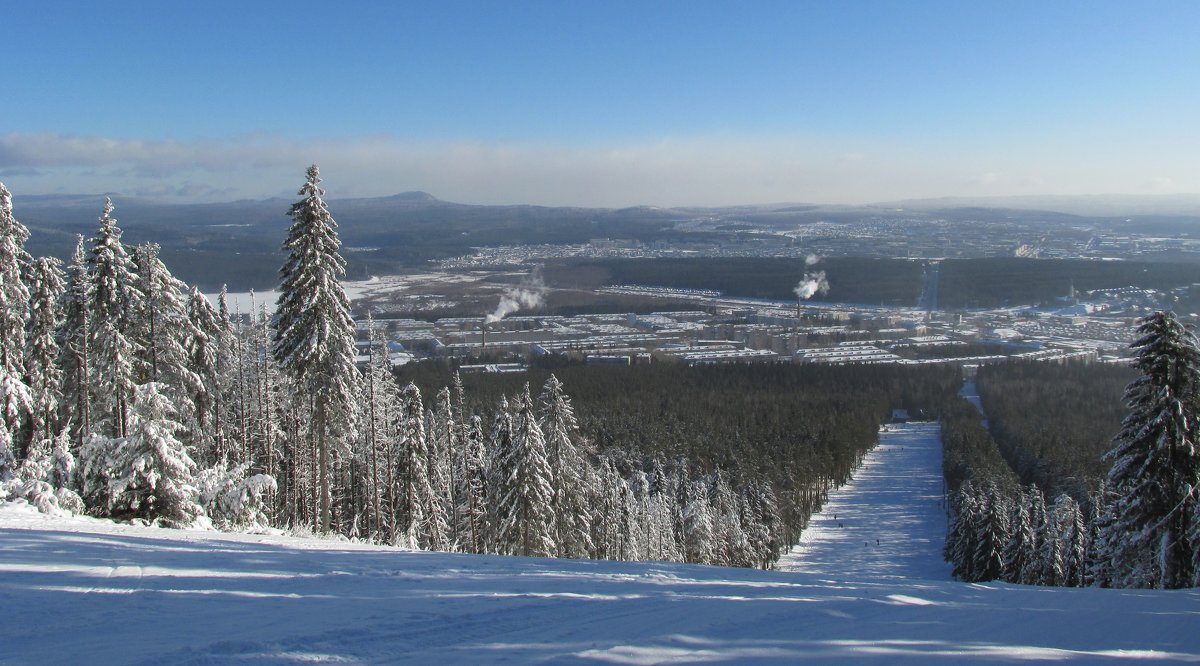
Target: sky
603, 103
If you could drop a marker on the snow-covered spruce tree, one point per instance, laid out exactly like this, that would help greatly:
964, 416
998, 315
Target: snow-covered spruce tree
1050, 553
152, 476
42, 351
16, 404
729, 542
1034, 572
46, 477
499, 449
762, 517
964, 528
1074, 540
697, 525
472, 495
157, 322
201, 339
609, 497
573, 513
1155, 462
525, 512
991, 536
314, 334
666, 488
443, 445
112, 299
233, 391
1098, 571
422, 520
73, 345
95, 472
1020, 539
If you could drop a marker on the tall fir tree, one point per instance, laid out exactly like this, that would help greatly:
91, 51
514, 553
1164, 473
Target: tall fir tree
112, 300
42, 351
231, 390
444, 450
423, 520
201, 342
526, 508
16, 403
472, 495
1034, 571
1155, 461
314, 334
573, 515
499, 451
74, 345
158, 321
697, 524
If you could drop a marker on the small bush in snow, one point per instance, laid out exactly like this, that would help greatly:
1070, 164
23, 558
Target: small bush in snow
233, 501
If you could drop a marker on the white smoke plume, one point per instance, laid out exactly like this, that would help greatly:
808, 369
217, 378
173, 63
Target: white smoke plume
527, 296
811, 285
812, 260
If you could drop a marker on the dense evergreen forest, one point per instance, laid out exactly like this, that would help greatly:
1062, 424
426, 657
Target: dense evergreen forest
801, 429
1007, 281
1085, 473
1054, 422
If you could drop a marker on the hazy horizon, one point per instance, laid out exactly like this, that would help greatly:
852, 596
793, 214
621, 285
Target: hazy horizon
604, 105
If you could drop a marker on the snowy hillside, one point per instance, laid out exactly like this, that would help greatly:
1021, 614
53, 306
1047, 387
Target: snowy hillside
86, 591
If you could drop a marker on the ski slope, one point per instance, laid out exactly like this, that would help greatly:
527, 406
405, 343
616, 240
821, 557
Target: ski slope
888, 523
77, 590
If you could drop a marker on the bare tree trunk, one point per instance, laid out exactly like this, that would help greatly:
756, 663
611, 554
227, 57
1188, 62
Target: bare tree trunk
319, 418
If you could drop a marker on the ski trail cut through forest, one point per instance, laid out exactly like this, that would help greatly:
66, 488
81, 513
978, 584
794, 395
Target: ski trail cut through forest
889, 521
971, 393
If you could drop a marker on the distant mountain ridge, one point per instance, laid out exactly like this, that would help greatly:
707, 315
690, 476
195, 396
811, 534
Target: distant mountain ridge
1101, 205
1107, 205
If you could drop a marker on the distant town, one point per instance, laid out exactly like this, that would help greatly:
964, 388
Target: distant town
1092, 326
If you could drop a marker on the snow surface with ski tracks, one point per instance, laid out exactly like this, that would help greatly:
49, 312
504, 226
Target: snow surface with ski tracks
77, 590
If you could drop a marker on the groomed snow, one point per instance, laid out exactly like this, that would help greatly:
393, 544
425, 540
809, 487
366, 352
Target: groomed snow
84, 591
888, 523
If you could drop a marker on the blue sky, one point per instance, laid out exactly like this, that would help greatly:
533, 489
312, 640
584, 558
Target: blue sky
603, 103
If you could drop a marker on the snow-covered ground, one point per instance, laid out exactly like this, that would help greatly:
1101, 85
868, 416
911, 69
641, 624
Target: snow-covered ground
247, 302
85, 591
